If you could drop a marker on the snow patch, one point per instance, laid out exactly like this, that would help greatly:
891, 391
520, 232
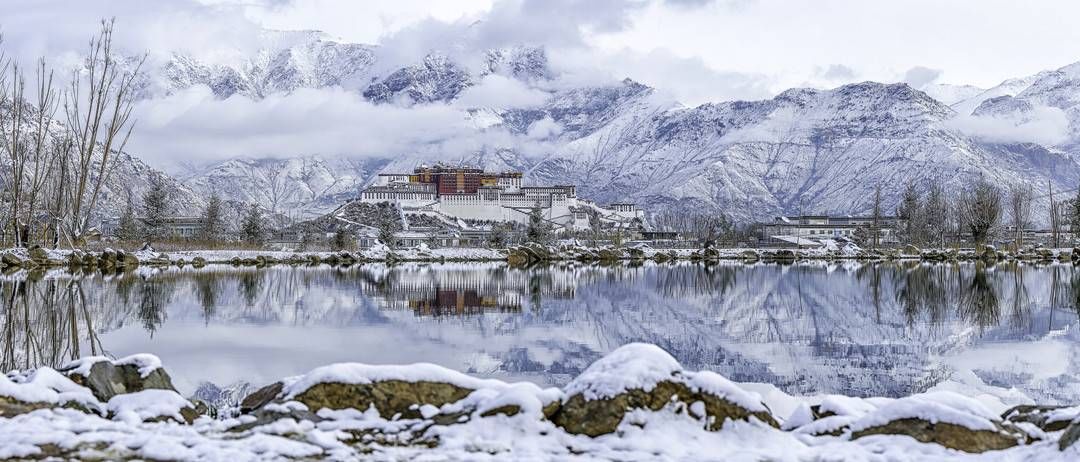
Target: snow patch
933, 407
358, 374
146, 405
631, 366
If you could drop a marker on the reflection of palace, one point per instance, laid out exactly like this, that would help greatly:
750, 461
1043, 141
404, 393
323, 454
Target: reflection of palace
457, 292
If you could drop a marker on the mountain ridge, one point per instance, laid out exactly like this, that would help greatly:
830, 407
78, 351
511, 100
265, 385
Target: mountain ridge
804, 151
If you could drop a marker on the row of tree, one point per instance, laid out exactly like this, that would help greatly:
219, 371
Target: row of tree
982, 211
150, 221
54, 172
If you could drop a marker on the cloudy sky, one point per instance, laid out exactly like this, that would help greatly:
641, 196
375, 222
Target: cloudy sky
694, 51
700, 49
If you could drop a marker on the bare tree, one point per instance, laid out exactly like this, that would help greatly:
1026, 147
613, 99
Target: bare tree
875, 219
98, 108
1055, 222
709, 229
1074, 216
16, 149
1020, 198
936, 214
979, 208
43, 150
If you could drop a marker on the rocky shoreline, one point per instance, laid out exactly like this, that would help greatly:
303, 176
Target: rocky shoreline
109, 259
636, 403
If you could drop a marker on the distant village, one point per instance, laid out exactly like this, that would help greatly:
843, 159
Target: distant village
450, 206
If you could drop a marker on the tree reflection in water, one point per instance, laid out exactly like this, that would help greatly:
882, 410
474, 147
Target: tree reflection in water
46, 321
979, 302
50, 320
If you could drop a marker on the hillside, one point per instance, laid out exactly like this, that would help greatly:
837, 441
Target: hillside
803, 151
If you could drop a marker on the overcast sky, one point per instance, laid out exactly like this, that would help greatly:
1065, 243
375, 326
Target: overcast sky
702, 49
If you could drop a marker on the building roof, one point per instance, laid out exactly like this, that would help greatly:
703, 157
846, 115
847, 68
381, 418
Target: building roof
800, 241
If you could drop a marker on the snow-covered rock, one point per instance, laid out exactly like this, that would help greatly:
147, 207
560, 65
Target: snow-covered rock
945, 418
645, 377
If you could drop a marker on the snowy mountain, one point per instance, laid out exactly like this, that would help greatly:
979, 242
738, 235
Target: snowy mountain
288, 61
132, 176
300, 188
806, 150
951, 94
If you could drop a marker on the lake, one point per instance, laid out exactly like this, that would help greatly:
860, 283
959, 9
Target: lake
874, 329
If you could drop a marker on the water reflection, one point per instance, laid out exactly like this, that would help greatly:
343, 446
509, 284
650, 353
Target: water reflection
880, 329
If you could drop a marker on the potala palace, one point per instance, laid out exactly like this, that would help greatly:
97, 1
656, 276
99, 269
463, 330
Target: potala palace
471, 194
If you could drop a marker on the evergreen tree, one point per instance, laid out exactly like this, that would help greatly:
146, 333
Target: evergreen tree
252, 229
343, 239
211, 226
861, 236
387, 226
595, 228
499, 235
128, 228
539, 230
155, 211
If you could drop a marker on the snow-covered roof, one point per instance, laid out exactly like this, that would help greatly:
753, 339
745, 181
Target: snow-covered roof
800, 241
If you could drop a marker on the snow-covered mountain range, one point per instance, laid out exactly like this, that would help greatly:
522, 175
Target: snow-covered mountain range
805, 150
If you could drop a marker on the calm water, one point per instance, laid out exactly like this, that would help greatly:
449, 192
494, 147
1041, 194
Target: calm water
884, 329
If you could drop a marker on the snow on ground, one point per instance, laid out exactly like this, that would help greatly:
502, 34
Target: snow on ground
644, 436
668, 434
355, 373
147, 405
378, 252
934, 407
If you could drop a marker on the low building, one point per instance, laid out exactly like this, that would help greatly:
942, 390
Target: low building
659, 236
806, 230
175, 227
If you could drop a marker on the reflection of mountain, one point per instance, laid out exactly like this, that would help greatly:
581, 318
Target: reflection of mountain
866, 330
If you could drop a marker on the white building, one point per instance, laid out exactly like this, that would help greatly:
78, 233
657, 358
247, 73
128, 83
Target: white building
472, 194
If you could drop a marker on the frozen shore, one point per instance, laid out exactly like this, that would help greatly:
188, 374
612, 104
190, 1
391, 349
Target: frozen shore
636, 403
20, 258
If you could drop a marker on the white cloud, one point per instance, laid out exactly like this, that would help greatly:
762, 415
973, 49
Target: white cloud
978, 42
921, 76
688, 80
694, 51
60, 30
838, 72
1043, 125
544, 128
193, 126
496, 91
